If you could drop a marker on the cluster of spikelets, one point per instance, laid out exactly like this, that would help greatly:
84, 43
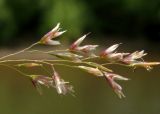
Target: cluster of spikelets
81, 57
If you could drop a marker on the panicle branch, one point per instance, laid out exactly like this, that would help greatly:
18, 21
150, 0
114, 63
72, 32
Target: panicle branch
76, 56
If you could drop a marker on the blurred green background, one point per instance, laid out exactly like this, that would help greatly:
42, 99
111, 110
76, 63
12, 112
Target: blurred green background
27, 20
135, 23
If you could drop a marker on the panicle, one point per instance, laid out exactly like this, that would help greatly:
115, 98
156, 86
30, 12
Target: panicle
55, 32
61, 86
67, 56
109, 50
94, 71
29, 65
86, 49
117, 56
38, 80
77, 42
111, 55
42, 80
111, 77
51, 42
147, 65
134, 56
81, 57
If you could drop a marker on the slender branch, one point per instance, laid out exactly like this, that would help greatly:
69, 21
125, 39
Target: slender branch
39, 61
35, 60
85, 59
47, 61
89, 58
59, 64
22, 73
116, 64
66, 50
47, 52
19, 51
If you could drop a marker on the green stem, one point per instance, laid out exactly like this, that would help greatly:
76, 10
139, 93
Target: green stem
58, 51
19, 51
22, 73
48, 62
34, 60
115, 64
89, 58
59, 64
39, 61
47, 52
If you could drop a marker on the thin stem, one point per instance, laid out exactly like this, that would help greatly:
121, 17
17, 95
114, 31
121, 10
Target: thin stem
34, 60
48, 62
19, 51
47, 52
45, 61
89, 58
26, 74
15, 69
59, 64
66, 50
115, 64
32, 51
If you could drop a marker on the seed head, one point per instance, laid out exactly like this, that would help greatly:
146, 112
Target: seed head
147, 65
47, 39
111, 77
38, 80
29, 65
61, 86
94, 71
77, 42
131, 58
109, 50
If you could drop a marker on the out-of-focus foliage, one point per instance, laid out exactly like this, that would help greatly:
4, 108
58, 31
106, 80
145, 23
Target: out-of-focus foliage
7, 22
119, 17
72, 14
